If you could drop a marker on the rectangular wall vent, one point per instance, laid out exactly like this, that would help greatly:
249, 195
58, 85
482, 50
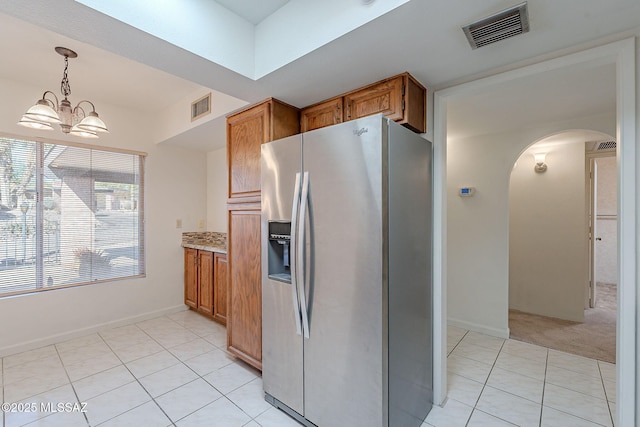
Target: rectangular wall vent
201, 107
508, 23
606, 145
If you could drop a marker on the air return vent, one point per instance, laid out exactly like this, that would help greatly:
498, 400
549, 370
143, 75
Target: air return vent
508, 23
201, 107
606, 146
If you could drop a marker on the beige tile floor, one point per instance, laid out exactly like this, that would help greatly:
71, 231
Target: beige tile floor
496, 382
168, 371
174, 371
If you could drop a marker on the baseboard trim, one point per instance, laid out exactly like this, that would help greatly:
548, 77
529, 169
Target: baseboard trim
76, 333
494, 332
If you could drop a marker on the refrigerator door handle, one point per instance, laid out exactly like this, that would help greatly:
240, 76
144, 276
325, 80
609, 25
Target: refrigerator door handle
294, 261
300, 253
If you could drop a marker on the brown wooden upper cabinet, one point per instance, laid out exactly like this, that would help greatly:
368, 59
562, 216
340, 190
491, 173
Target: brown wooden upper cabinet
401, 98
246, 131
320, 115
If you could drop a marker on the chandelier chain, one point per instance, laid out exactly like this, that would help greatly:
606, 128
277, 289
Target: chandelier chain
65, 87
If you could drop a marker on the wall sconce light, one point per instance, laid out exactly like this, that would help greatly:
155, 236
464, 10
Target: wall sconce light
540, 166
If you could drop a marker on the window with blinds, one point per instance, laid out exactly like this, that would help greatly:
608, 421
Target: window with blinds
69, 215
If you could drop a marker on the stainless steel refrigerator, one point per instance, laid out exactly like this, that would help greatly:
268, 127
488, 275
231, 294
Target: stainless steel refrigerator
346, 275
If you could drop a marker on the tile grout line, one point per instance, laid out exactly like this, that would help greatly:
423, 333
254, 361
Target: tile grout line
136, 378
84, 414
90, 348
606, 397
544, 385
458, 343
475, 406
173, 423
545, 382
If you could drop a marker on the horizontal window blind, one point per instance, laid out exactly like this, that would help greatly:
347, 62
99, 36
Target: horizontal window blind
69, 215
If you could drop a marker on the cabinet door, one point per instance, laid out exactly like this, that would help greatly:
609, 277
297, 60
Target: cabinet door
191, 277
205, 282
384, 97
320, 115
246, 131
244, 319
220, 288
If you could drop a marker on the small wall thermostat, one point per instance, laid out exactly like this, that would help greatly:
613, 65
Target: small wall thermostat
466, 191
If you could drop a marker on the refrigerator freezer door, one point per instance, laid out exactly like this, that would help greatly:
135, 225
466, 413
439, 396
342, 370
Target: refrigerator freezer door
282, 369
343, 357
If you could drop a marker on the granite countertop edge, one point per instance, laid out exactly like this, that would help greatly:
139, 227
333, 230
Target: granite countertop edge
205, 248
211, 241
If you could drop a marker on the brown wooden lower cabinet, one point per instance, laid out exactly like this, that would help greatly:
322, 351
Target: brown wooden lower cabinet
244, 319
191, 277
220, 287
205, 283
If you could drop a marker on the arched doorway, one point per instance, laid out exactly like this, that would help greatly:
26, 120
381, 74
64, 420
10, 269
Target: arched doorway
550, 243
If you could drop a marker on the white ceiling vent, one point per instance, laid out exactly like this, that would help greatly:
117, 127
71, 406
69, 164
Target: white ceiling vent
508, 23
201, 107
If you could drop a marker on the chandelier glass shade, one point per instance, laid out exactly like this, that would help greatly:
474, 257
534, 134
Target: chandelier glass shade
72, 120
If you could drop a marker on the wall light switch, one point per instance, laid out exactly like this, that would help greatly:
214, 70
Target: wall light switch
201, 223
178, 223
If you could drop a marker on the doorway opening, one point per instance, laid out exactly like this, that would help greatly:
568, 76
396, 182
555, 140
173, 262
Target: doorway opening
446, 103
555, 256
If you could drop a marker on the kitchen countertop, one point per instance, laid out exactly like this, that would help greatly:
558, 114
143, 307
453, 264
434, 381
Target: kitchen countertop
211, 241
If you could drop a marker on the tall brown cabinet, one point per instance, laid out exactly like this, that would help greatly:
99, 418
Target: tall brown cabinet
247, 130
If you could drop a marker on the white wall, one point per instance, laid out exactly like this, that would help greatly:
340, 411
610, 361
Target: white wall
478, 227
548, 253
176, 118
174, 189
217, 178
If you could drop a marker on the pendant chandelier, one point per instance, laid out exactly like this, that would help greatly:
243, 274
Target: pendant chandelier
74, 121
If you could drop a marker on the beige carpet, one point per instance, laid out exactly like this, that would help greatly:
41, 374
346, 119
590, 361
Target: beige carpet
595, 338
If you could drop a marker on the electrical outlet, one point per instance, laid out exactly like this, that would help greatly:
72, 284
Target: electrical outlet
178, 223
201, 223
